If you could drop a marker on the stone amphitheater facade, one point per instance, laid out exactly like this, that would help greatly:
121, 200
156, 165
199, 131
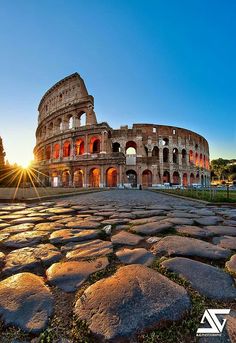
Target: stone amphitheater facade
73, 149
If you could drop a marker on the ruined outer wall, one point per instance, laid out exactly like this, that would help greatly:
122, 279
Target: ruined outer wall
66, 147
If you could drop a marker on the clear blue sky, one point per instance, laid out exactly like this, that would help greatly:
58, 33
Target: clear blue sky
164, 62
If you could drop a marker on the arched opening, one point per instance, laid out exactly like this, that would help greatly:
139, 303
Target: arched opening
192, 179
48, 152
166, 177
185, 179
175, 155
94, 178
196, 159
70, 123
132, 178
165, 155
95, 145
116, 147
204, 161
61, 126
131, 148
79, 147
176, 178
205, 181
78, 178
191, 157
56, 151
82, 119
155, 152
184, 155
111, 177
65, 178
55, 179
146, 150
147, 178
197, 178
66, 149
165, 141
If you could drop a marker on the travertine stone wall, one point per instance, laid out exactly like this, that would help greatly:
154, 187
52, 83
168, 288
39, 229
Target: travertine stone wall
72, 149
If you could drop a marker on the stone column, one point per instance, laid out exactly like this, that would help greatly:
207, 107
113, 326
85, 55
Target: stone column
161, 163
86, 146
102, 176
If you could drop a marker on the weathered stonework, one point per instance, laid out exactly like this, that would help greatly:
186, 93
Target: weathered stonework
90, 154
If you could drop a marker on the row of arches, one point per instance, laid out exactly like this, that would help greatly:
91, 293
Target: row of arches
94, 178
66, 150
61, 124
131, 178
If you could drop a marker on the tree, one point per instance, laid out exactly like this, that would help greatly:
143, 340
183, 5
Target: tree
220, 167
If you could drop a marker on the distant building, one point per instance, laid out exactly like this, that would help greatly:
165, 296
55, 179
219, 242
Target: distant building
73, 149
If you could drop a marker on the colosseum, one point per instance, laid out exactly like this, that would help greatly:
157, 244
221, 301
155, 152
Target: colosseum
74, 150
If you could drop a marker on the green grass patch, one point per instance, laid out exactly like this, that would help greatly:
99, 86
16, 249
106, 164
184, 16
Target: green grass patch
204, 194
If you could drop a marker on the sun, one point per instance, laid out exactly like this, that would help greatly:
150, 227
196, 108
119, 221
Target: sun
25, 165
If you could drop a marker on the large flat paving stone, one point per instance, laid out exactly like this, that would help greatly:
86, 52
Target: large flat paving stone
72, 235
211, 220
31, 258
13, 208
9, 217
18, 228
25, 220
135, 256
227, 242
70, 275
126, 238
25, 302
135, 298
231, 264
83, 224
116, 221
49, 226
222, 230
203, 212
181, 221
152, 228
186, 246
88, 249
194, 231
24, 239
220, 287
147, 220
147, 213
58, 210
184, 214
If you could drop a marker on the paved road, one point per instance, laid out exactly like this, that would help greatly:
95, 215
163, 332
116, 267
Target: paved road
130, 197
51, 250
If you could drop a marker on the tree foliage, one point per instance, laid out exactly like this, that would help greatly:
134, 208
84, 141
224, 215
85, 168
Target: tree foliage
224, 169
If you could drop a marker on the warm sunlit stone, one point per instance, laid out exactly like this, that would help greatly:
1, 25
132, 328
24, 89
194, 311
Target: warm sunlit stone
25, 302
31, 259
221, 285
185, 246
135, 298
70, 275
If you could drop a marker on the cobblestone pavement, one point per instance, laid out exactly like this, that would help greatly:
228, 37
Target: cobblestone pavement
114, 266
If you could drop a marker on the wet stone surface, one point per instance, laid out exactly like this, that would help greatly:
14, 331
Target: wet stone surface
101, 256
